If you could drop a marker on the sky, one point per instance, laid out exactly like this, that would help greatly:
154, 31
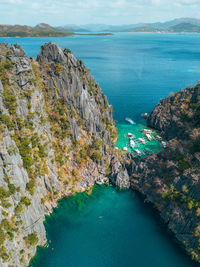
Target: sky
113, 12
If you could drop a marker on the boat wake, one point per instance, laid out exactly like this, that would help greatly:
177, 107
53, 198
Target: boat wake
130, 120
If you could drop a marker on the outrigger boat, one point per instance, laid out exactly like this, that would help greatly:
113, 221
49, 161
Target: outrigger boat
158, 137
147, 131
148, 136
137, 151
130, 135
141, 140
164, 144
132, 144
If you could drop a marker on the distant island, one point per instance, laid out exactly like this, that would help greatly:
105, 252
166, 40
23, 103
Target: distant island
41, 30
95, 34
182, 25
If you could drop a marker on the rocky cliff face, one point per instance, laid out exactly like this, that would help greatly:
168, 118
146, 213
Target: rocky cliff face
56, 138
171, 179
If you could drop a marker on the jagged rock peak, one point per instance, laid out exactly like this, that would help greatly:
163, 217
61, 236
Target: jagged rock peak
52, 52
14, 50
18, 50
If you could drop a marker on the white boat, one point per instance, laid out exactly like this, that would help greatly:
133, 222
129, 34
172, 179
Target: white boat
159, 137
164, 144
141, 140
137, 151
129, 120
125, 148
130, 135
147, 131
132, 143
148, 136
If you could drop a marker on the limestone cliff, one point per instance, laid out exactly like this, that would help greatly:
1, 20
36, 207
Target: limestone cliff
171, 178
56, 138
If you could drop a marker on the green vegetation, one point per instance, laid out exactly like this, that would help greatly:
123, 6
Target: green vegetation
41, 151
24, 31
25, 201
2, 237
190, 204
31, 239
59, 68
19, 209
5, 66
30, 158
12, 188
10, 101
28, 94
96, 156
6, 231
67, 51
23, 144
30, 186
4, 193
195, 146
76, 95
5, 119
12, 150
97, 144
167, 177
5, 257
184, 164
7, 225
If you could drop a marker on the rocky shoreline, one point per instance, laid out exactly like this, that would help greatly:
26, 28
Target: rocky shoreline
170, 179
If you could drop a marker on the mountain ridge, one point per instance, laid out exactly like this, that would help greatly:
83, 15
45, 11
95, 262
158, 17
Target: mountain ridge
182, 25
130, 27
40, 30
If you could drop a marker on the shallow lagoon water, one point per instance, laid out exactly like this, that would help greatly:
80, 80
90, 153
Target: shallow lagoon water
107, 229
153, 145
135, 71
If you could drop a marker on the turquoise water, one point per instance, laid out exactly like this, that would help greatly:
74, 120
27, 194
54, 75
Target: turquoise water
107, 229
135, 71
153, 146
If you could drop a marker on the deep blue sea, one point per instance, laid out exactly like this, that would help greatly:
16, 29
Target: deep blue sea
110, 228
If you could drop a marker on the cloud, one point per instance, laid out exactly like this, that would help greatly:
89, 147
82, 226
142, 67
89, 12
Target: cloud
156, 2
15, 1
189, 2
35, 5
60, 12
